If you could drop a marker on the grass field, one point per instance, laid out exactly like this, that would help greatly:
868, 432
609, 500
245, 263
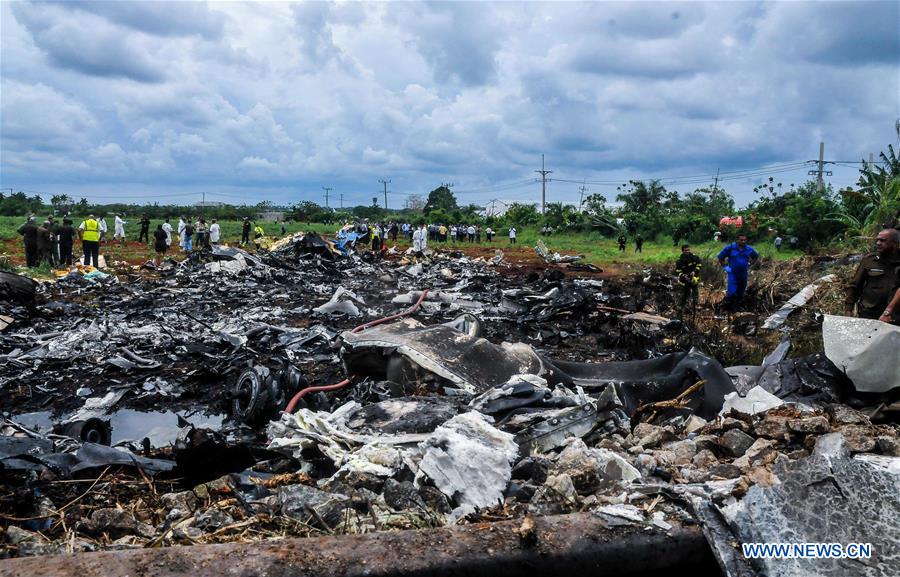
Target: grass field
595, 248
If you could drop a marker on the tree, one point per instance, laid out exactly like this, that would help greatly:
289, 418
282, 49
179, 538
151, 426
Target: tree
522, 214
601, 216
470, 212
873, 176
804, 212
557, 214
61, 203
306, 210
642, 207
441, 197
19, 204
865, 213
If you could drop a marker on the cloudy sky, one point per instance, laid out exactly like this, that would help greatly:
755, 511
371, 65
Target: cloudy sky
159, 101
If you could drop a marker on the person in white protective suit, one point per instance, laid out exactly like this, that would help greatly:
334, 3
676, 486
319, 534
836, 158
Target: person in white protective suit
420, 239
181, 227
120, 229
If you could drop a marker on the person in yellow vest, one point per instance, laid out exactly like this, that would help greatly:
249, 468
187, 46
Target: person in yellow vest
91, 235
257, 235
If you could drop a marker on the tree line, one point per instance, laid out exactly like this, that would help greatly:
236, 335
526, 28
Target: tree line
816, 216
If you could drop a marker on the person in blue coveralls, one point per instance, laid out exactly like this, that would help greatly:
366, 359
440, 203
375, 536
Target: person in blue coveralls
739, 256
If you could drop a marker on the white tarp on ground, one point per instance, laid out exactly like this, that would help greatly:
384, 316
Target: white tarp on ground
866, 350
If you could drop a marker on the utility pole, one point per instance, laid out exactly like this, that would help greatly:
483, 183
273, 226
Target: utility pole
820, 182
385, 183
820, 171
493, 202
327, 189
543, 174
342, 201
716, 183
583, 189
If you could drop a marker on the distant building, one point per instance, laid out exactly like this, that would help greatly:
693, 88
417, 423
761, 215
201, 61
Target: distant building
276, 215
498, 208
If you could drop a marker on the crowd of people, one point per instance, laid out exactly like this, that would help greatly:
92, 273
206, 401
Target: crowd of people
872, 293
381, 232
52, 243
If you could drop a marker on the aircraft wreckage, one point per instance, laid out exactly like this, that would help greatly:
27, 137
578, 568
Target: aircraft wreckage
311, 409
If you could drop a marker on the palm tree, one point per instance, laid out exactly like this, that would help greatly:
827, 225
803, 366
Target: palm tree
866, 211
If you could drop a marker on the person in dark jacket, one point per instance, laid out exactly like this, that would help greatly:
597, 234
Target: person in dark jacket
145, 229
639, 244
623, 240
160, 244
66, 235
245, 230
29, 232
688, 271
54, 241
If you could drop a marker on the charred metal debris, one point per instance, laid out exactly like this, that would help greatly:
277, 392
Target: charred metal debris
424, 391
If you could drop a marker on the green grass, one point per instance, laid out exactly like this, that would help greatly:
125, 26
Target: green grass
596, 249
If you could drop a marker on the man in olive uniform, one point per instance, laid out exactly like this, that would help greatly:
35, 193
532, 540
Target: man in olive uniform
622, 241
29, 232
54, 240
66, 235
44, 243
688, 270
876, 278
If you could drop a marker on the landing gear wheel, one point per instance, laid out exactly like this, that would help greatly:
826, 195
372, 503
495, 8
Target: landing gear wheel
250, 402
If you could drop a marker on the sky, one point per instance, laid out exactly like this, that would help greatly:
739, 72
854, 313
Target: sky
164, 101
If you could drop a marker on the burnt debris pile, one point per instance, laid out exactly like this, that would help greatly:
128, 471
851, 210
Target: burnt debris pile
310, 389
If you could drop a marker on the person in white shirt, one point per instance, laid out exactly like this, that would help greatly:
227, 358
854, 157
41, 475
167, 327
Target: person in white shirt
102, 223
120, 229
168, 228
512, 235
214, 232
471, 232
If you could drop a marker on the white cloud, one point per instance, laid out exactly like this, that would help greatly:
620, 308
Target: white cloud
273, 98
254, 162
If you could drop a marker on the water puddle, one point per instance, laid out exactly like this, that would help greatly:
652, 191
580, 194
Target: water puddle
40, 421
160, 427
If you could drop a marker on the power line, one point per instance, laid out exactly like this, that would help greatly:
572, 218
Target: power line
724, 175
327, 189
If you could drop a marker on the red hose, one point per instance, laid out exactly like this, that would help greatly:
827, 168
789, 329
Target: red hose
302, 393
293, 404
